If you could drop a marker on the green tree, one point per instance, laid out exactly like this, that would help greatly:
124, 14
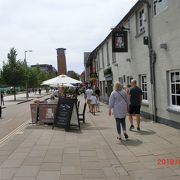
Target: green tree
37, 76
33, 78
13, 71
75, 75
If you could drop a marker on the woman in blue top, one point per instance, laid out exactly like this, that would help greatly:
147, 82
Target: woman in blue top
118, 101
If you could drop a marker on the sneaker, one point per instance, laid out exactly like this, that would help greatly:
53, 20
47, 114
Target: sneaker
131, 127
125, 135
138, 128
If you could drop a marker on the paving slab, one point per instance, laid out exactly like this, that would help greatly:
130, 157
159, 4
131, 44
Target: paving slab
7, 173
47, 175
27, 171
71, 177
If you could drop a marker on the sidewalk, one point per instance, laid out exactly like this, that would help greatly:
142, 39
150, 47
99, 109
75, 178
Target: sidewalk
40, 153
21, 98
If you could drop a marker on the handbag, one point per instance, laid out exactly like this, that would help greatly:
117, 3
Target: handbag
124, 99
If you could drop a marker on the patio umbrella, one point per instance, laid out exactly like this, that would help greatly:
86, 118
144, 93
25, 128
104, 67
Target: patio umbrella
61, 80
65, 85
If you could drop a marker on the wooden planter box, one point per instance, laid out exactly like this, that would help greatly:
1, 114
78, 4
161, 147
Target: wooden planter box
47, 113
34, 113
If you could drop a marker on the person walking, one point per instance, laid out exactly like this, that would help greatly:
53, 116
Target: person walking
97, 104
2, 98
93, 103
135, 99
39, 91
97, 92
88, 94
118, 101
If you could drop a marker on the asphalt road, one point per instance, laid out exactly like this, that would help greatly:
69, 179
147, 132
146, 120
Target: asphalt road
14, 114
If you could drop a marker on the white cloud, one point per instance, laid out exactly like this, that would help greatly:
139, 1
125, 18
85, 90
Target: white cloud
44, 25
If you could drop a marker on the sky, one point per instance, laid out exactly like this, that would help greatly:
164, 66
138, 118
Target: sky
45, 25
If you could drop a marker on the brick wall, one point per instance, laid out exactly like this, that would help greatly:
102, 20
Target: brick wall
61, 61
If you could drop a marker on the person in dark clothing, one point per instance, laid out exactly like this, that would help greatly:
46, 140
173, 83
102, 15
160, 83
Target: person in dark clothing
77, 91
135, 99
97, 91
2, 99
39, 91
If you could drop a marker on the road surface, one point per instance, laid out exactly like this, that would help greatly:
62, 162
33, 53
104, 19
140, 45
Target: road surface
15, 113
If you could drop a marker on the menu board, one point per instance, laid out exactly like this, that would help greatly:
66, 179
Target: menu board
64, 112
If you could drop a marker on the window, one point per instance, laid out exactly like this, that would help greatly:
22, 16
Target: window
113, 57
98, 59
107, 47
129, 79
143, 85
175, 88
97, 62
121, 80
102, 57
97, 65
159, 6
140, 21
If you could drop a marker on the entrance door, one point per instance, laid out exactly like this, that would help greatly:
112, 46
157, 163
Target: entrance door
109, 87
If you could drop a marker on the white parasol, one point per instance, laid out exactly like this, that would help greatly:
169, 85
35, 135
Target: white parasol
65, 85
61, 80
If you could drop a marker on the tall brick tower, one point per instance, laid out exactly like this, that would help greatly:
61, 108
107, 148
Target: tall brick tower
61, 61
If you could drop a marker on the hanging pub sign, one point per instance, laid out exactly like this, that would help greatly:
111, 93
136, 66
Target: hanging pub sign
119, 41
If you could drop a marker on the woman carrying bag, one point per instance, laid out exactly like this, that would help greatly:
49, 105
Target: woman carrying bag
118, 101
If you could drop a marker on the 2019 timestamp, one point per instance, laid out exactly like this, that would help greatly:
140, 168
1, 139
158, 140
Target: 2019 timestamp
171, 162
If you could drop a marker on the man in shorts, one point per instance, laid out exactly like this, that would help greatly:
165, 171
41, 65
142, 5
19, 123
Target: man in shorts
135, 99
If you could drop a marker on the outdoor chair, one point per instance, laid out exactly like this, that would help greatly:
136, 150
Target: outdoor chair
78, 103
82, 116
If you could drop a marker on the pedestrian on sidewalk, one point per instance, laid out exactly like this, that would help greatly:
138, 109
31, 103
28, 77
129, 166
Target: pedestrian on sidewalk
88, 94
135, 99
118, 101
2, 98
39, 91
93, 103
97, 92
97, 104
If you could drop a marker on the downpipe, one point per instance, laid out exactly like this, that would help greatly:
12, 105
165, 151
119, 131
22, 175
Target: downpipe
153, 84
152, 61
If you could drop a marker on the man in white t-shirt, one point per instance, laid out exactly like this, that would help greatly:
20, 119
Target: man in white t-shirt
88, 93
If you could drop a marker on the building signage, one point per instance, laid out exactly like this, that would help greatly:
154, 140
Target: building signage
93, 76
119, 41
108, 72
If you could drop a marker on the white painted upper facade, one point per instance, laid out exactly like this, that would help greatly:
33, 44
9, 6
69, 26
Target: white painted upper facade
135, 63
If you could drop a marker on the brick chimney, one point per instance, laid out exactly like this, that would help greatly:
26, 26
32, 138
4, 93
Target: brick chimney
61, 61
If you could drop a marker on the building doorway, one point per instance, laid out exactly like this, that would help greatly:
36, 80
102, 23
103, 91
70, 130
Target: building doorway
109, 87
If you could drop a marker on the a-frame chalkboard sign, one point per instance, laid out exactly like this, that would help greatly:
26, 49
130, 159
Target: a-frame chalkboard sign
66, 114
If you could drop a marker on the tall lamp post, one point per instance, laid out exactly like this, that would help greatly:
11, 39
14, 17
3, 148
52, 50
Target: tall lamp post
27, 95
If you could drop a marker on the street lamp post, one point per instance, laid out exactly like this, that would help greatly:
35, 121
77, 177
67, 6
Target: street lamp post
27, 95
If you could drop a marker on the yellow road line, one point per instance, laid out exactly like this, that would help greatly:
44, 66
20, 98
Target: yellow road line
12, 133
